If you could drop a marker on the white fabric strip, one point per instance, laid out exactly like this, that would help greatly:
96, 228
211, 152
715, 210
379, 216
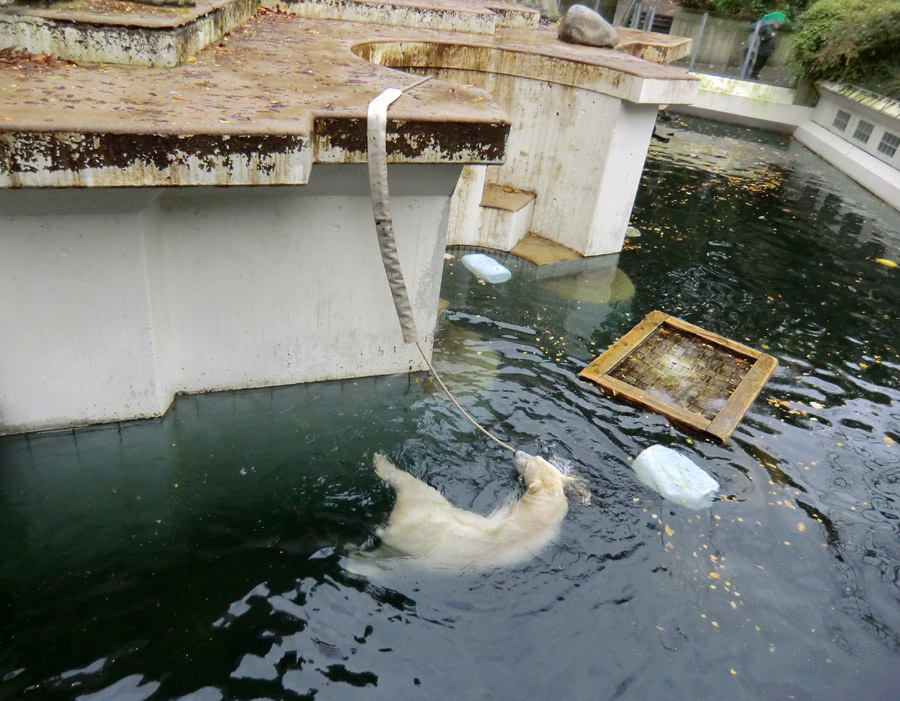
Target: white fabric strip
378, 184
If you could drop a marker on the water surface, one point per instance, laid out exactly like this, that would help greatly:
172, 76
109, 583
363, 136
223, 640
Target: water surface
199, 556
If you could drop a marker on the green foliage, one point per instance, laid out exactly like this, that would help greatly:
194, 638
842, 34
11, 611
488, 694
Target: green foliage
851, 41
750, 9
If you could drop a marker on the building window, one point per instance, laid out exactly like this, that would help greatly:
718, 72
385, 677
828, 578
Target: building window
841, 120
889, 144
863, 131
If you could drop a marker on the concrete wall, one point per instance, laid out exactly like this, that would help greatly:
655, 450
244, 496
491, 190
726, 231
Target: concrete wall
116, 299
861, 108
748, 103
845, 148
722, 43
770, 107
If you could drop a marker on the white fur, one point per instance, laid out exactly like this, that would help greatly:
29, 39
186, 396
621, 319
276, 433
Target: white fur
425, 526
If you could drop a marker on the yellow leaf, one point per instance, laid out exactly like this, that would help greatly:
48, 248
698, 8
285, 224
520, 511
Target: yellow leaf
886, 262
714, 575
669, 531
801, 527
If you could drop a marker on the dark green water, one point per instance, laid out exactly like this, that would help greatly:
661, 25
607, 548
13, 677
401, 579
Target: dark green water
198, 556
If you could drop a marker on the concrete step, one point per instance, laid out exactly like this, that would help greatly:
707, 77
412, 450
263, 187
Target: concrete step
505, 216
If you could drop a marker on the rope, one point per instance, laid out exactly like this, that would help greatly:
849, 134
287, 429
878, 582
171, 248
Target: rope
384, 226
458, 405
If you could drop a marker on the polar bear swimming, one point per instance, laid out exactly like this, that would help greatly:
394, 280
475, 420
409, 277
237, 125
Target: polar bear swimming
424, 526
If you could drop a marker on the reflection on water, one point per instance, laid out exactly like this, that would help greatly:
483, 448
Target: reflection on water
199, 556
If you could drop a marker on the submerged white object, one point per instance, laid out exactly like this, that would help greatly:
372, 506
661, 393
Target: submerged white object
486, 267
676, 477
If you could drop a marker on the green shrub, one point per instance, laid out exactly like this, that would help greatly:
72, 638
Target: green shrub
851, 41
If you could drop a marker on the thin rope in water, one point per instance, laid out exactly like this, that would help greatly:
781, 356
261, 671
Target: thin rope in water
458, 405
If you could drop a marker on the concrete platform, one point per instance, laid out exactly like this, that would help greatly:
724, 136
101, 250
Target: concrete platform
259, 108
129, 275
279, 94
113, 31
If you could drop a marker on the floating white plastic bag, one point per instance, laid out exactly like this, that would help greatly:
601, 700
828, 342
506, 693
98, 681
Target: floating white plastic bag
486, 267
675, 477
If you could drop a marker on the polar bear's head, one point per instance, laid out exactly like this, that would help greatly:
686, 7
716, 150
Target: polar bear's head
538, 474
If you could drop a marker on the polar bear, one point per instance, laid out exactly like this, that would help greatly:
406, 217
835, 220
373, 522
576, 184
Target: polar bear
426, 527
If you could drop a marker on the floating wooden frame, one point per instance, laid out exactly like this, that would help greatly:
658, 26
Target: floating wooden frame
696, 378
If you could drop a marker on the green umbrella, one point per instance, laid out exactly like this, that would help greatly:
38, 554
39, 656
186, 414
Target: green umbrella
776, 17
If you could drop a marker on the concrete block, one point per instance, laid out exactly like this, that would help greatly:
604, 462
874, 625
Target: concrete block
505, 216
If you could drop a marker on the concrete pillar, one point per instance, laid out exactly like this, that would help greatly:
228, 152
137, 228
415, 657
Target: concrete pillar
618, 175
579, 151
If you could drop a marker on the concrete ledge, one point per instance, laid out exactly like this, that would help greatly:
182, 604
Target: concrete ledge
509, 14
876, 176
540, 56
450, 16
499, 197
653, 46
541, 251
747, 103
104, 159
246, 112
109, 31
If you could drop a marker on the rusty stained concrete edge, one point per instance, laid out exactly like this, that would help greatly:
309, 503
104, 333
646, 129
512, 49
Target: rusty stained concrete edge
345, 141
632, 83
390, 13
139, 44
55, 159
474, 17
106, 13
513, 15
